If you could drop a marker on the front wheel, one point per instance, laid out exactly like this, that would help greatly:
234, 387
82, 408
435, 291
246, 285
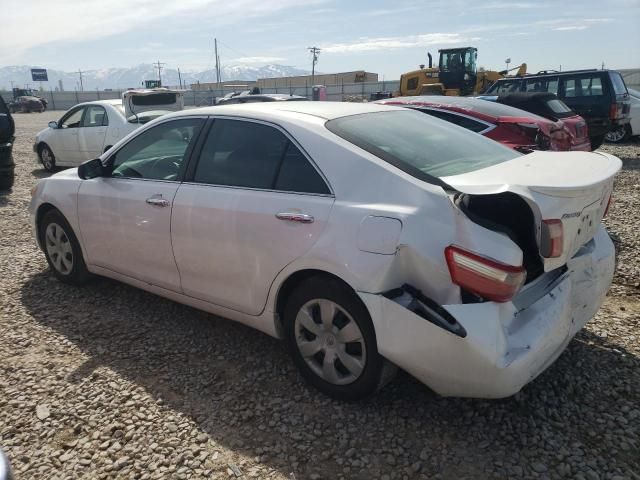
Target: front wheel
331, 338
619, 134
47, 158
62, 249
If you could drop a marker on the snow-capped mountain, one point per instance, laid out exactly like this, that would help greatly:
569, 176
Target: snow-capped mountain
117, 78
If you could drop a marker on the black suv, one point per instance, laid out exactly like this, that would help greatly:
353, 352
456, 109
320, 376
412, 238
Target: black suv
599, 96
7, 131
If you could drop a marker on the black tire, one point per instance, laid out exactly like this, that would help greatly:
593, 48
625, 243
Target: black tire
7, 178
596, 141
74, 270
323, 288
47, 158
619, 134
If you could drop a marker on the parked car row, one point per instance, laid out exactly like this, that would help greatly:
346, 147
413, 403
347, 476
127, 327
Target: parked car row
599, 96
369, 237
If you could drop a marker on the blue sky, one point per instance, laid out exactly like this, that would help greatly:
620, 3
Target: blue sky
386, 37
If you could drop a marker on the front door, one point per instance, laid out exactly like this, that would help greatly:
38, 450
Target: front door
65, 141
92, 132
125, 217
253, 204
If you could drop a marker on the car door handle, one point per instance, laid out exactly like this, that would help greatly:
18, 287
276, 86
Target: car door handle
295, 217
158, 202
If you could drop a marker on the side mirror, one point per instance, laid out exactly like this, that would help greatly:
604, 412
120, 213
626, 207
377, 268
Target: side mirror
5, 468
53, 124
91, 169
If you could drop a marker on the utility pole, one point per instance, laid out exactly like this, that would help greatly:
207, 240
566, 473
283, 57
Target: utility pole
179, 78
315, 51
215, 47
81, 85
159, 66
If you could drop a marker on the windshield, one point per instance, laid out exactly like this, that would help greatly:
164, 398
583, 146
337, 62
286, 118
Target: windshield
419, 144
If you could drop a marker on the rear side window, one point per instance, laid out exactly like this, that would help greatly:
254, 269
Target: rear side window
558, 106
460, 120
618, 83
253, 155
589, 86
95, 116
542, 85
420, 145
505, 87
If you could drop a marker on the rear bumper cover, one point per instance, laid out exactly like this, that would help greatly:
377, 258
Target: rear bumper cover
507, 344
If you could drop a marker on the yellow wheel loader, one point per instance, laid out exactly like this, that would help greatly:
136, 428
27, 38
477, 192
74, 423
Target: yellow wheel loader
455, 75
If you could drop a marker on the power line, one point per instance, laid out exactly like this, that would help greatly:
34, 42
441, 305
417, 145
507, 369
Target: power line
159, 66
315, 51
81, 85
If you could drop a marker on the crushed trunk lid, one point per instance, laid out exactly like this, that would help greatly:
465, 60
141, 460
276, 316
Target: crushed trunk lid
573, 187
137, 101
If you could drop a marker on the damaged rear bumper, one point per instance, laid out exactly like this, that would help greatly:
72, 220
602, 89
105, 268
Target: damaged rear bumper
506, 344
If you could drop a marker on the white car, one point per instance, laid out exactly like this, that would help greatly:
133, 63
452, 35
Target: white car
631, 129
89, 129
366, 236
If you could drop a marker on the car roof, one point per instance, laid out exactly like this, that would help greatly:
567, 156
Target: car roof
468, 104
324, 110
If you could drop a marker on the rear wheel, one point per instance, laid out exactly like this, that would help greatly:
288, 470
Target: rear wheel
331, 338
619, 134
62, 249
47, 158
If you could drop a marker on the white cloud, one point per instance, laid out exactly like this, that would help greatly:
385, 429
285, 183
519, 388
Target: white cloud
36, 23
508, 6
390, 43
570, 27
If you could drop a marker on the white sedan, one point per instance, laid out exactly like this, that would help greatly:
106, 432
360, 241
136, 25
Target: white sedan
368, 237
89, 129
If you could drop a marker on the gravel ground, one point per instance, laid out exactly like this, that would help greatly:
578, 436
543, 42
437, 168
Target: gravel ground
111, 382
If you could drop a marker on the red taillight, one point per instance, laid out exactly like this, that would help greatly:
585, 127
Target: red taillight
482, 276
609, 202
613, 111
552, 238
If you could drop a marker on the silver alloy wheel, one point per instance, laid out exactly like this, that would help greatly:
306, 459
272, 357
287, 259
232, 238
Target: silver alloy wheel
330, 341
616, 135
59, 248
47, 158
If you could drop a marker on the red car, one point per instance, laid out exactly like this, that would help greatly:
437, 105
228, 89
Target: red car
515, 128
549, 106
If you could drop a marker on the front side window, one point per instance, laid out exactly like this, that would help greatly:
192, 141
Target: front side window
504, 87
253, 155
96, 116
412, 83
158, 153
72, 119
420, 145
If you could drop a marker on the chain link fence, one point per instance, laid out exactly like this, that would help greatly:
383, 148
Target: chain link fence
199, 98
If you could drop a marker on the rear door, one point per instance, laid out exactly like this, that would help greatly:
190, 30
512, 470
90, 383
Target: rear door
252, 204
93, 131
588, 96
